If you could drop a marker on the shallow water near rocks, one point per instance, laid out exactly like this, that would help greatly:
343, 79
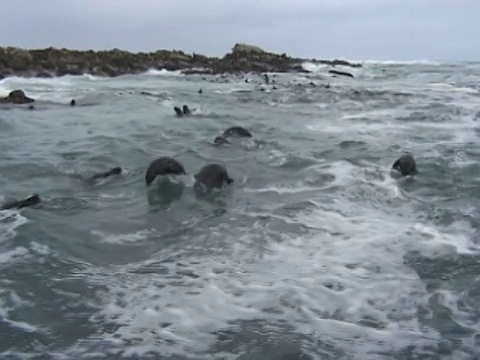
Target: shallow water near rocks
316, 251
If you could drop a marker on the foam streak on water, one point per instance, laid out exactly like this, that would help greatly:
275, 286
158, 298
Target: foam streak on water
317, 252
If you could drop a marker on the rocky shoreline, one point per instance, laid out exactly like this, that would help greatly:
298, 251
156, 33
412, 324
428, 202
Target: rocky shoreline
52, 62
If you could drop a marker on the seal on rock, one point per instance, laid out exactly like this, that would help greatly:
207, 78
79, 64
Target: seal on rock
406, 165
18, 204
114, 171
212, 176
163, 166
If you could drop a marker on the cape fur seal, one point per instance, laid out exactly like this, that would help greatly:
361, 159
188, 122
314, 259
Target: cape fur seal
163, 166
406, 165
237, 132
105, 174
178, 111
212, 176
185, 110
18, 204
219, 140
234, 132
341, 73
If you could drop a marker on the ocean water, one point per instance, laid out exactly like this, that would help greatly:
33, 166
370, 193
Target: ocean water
316, 251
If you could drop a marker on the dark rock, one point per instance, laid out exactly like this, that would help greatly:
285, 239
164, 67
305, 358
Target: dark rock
43, 74
17, 97
242, 59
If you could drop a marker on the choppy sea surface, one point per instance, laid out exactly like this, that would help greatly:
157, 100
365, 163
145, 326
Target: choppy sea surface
316, 251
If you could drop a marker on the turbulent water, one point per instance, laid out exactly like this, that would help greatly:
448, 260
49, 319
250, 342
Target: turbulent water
316, 251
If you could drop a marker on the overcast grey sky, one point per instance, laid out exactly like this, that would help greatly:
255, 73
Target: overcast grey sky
441, 30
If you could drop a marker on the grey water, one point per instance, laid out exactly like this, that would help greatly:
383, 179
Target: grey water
316, 251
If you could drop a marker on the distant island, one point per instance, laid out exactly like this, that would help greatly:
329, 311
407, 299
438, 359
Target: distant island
52, 62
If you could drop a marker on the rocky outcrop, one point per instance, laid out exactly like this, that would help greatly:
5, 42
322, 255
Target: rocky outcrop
57, 62
17, 97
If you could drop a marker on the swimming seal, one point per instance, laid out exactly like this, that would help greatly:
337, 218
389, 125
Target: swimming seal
237, 132
113, 171
163, 166
406, 165
18, 204
234, 132
341, 73
212, 176
219, 140
186, 110
73, 102
178, 111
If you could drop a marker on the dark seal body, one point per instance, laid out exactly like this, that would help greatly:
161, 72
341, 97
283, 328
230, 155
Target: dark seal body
186, 110
213, 176
237, 132
341, 73
219, 140
163, 166
113, 171
18, 204
406, 165
178, 111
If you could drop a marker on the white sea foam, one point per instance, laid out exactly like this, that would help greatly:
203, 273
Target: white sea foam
163, 72
9, 301
136, 237
345, 281
10, 220
340, 275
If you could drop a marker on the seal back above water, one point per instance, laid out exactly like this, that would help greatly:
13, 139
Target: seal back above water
114, 171
163, 166
18, 204
237, 131
406, 165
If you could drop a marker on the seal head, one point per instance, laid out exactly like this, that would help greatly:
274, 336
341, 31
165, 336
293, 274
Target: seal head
406, 165
213, 176
178, 111
163, 166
